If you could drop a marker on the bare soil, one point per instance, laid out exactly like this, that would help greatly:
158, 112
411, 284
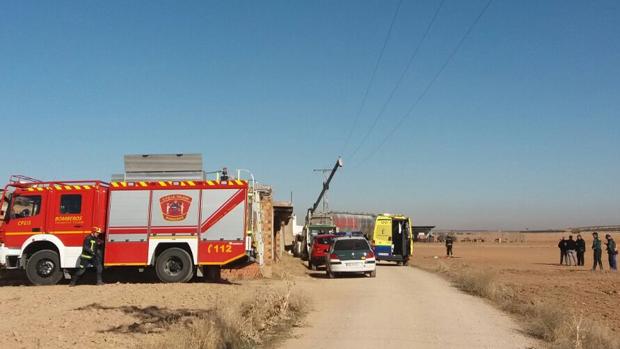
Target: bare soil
532, 269
116, 315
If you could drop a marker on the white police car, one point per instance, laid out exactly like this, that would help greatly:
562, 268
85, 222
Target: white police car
350, 254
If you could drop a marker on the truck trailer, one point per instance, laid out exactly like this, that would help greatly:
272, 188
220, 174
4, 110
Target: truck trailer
175, 227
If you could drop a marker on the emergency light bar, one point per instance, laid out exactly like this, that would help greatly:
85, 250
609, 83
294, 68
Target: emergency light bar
349, 233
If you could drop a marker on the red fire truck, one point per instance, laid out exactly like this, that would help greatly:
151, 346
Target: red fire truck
175, 227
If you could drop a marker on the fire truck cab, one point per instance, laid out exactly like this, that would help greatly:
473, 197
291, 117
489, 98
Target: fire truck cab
173, 226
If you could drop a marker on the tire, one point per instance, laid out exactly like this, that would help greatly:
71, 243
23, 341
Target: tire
191, 275
213, 273
174, 265
373, 273
43, 268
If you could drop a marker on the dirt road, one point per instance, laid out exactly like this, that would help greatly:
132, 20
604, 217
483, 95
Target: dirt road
401, 308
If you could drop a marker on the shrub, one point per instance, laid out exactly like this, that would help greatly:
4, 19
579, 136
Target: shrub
247, 326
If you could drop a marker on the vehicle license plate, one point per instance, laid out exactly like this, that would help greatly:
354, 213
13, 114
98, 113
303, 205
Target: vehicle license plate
355, 264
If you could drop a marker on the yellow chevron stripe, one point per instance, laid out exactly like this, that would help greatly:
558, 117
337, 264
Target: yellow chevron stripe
191, 183
162, 183
115, 184
42, 232
224, 262
210, 183
87, 187
124, 184
70, 232
239, 182
170, 237
143, 184
119, 264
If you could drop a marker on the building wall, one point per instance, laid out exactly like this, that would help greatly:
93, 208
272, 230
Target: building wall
266, 202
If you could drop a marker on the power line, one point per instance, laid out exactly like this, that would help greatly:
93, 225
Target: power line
372, 76
400, 80
429, 85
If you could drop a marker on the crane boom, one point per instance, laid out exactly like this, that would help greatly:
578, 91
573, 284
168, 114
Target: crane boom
303, 241
325, 186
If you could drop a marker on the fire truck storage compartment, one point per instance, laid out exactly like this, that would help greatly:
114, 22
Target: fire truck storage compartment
222, 228
127, 240
223, 212
174, 212
209, 221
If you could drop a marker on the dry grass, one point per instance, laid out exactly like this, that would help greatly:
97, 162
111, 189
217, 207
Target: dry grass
558, 327
249, 325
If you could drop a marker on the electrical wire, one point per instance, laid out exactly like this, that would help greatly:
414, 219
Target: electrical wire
428, 86
401, 78
372, 76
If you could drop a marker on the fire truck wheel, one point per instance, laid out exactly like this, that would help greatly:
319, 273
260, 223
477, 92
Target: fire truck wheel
174, 265
190, 275
213, 273
43, 268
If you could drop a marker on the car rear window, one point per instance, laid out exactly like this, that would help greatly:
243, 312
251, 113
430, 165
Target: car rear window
323, 240
351, 244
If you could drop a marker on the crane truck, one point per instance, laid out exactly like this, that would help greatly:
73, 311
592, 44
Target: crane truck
316, 223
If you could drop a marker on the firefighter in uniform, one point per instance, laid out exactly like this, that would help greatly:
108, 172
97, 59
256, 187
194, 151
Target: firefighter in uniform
91, 256
449, 243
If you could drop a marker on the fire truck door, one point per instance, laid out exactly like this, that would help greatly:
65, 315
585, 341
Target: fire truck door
26, 214
71, 212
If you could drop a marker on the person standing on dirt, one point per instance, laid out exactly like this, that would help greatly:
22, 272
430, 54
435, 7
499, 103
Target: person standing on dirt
571, 251
581, 249
612, 252
562, 246
598, 251
449, 243
91, 256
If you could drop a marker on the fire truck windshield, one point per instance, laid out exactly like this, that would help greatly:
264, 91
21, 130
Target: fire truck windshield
26, 206
4, 204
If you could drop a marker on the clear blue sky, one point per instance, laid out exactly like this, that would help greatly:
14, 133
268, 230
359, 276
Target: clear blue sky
522, 129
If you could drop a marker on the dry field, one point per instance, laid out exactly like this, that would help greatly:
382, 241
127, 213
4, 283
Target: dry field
145, 314
531, 269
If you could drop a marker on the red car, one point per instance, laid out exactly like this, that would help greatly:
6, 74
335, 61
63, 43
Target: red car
320, 248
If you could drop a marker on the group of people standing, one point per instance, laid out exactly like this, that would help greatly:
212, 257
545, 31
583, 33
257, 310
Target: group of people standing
572, 252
